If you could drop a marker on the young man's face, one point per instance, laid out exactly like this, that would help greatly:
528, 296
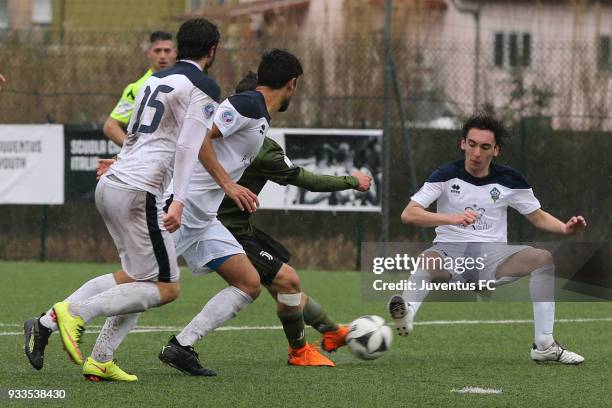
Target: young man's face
161, 54
480, 149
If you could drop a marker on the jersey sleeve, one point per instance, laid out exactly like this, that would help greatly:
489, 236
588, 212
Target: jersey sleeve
228, 119
124, 108
524, 201
430, 191
201, 108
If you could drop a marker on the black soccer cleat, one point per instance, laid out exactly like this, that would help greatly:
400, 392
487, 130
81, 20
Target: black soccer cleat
36, 339
183, 358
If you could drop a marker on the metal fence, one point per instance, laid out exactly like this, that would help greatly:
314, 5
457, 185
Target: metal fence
76, 78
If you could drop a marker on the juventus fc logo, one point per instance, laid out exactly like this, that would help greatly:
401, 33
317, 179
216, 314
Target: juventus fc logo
266, 255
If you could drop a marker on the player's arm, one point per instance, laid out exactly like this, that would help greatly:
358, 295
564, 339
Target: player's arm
547, 222
188, 145
113, 129
276, 167
2, 81
242, 196
326, 183
416, 214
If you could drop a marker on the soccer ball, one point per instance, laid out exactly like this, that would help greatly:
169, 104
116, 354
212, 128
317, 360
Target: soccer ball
368, 337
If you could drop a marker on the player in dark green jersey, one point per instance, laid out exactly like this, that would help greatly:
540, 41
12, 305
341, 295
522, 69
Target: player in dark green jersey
271, 258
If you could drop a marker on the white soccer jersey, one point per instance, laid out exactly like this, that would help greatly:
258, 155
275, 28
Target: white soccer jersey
164, 101
456, 191
243, 120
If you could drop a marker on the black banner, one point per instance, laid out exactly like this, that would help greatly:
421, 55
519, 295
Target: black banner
83, 147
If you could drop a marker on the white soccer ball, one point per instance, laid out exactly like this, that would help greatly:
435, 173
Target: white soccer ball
368, 337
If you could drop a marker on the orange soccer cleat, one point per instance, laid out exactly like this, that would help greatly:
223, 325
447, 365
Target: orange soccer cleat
333, 340
308, 355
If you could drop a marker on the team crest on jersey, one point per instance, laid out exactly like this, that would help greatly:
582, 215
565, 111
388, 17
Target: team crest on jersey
481, 223
495, 194
227, 117
209, 110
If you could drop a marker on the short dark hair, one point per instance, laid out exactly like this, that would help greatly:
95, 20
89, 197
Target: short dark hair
248, 83
484, 121
196, 37
278, 67
159, 36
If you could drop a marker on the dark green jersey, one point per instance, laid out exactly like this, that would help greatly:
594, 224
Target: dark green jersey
271, 164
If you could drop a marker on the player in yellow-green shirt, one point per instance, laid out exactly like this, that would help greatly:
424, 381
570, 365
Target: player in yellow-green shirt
161, 53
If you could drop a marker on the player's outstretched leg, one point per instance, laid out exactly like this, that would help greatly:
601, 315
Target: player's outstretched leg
402, 314
244, 287
286, 289
36, 339
38, 331
334, 335
183, 358
122, 299
101, 365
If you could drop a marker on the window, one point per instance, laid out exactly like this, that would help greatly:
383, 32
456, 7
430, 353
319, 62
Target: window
512, 50
42, 11
604, 51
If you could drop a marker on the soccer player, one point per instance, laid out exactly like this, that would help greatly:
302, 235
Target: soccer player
161, 54
242, 118
271, 257
473, 195
175, 109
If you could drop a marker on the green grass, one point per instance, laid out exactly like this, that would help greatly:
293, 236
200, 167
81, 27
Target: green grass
417, 371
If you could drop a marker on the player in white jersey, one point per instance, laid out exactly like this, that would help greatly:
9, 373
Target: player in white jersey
240, 125
165, 136
473, 195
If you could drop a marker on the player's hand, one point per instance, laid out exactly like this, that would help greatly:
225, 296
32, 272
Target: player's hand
242, 196
172, 219
103, 166
574, 225
465, 218
365, 181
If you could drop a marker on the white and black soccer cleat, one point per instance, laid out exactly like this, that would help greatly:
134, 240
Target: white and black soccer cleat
556, 352
402, 314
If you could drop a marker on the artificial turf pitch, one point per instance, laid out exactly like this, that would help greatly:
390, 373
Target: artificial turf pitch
250, 354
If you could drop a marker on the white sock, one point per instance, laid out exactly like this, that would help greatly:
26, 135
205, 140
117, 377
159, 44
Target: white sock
114, 331
122, 299
542, 291
221, 308
88, 289
415, 297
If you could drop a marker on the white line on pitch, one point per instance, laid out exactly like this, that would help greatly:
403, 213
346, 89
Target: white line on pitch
161, 329
476, 390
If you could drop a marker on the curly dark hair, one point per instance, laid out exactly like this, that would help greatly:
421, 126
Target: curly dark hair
195, 38
484, 121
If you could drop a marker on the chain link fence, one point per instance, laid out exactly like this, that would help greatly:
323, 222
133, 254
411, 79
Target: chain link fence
77, 77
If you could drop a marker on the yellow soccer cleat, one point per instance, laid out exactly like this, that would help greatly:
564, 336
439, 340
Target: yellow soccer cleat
71, 329
109, 371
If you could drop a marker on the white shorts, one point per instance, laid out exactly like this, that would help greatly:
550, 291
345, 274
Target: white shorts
133, 218
491, 254
199, 246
